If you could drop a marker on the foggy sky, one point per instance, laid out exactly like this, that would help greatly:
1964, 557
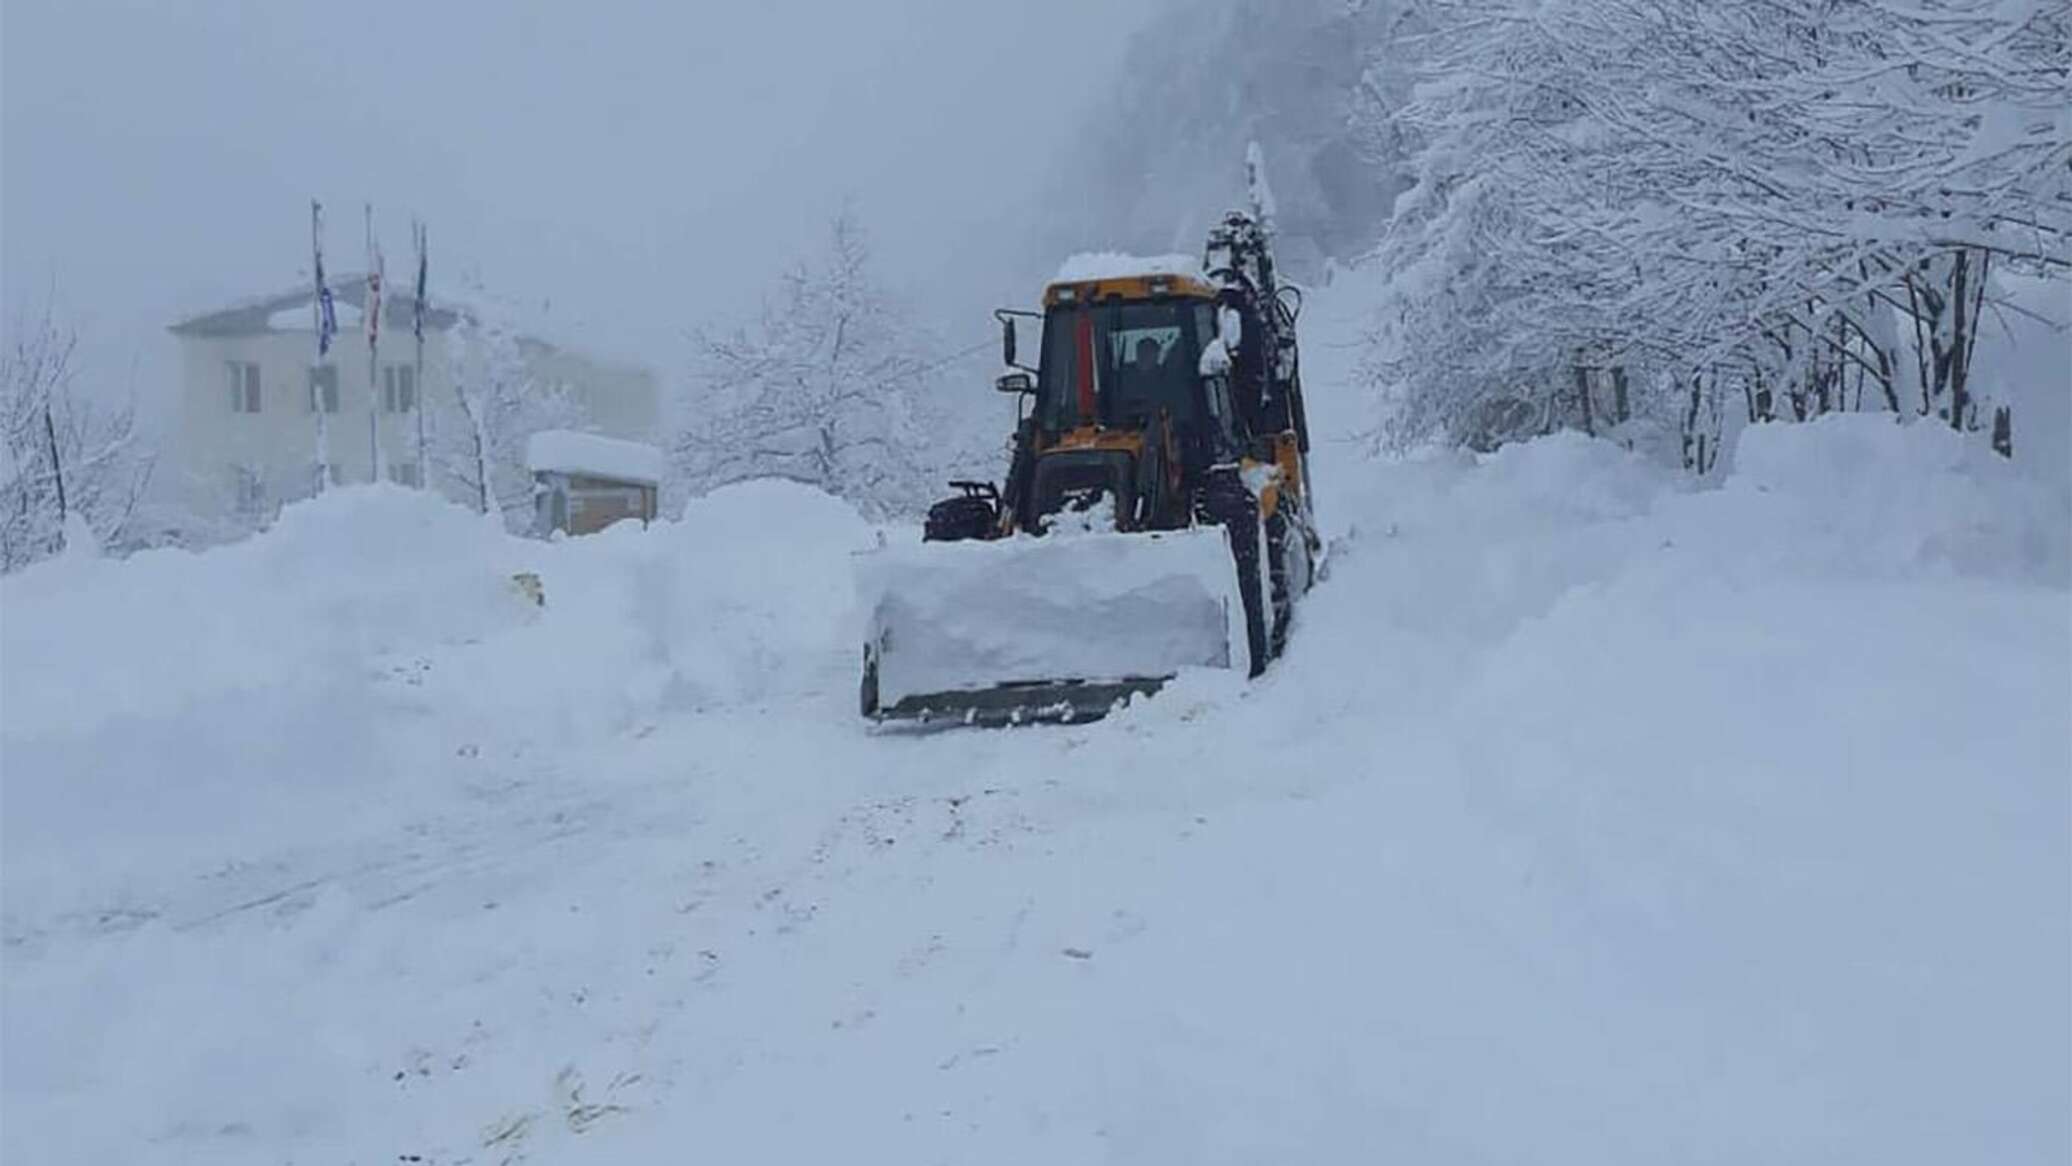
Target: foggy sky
639, 168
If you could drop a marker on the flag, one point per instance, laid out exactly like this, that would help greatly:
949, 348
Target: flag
417, 313
372, 312
327, 312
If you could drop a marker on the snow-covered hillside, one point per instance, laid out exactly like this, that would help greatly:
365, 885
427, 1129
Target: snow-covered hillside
1591, 817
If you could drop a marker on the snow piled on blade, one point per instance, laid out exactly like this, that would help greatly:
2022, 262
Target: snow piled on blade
951, 617
1091, 265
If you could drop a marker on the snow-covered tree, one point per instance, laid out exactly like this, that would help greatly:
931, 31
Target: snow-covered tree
1704, 198
828, 388
478, 445
62, 458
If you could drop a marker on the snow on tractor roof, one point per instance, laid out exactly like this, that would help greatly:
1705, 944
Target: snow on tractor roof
564, 451
1094, 265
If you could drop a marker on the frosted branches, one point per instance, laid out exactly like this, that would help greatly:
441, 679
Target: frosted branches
824, 390
1700, 188
60, 455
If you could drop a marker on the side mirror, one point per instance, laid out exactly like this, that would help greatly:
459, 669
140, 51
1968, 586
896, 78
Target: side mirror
1015, 382
1007, 342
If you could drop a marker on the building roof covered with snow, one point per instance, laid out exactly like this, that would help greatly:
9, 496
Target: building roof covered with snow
289, 311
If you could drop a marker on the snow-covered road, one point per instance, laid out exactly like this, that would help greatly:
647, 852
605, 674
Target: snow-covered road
1589, 818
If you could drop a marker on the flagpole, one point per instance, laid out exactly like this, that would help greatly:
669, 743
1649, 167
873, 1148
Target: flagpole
424, 473
316, 365
372, 314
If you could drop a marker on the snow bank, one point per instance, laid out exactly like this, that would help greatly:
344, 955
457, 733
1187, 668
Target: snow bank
1085, 606
1670, 824
739, 601
1794, 763
1090, 265
346, 587
349, 576
1894, 499
306, 674
569, 452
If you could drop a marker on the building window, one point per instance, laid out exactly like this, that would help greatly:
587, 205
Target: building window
244, 386
398, 388
248, 489
323, 388
405, 474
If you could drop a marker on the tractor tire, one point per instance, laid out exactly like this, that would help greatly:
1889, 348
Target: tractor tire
1234, 508
867, 691
1287, 572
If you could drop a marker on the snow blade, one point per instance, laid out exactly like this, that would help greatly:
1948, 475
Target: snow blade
1056, 628
1016, 704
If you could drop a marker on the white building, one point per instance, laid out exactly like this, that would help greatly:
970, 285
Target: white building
245, 439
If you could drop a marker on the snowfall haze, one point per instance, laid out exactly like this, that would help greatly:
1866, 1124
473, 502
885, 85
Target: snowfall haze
1509, 598
640, 169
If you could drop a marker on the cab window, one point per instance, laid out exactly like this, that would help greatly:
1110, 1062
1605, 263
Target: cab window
1141, 358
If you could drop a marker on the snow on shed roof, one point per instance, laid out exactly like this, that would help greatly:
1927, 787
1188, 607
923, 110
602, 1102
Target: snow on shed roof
565, 451
1091, 265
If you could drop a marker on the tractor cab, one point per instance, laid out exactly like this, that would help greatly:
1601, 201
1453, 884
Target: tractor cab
1121, 411
1117, 363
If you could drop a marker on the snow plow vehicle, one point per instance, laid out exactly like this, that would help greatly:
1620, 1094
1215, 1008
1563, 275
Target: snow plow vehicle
1155, 514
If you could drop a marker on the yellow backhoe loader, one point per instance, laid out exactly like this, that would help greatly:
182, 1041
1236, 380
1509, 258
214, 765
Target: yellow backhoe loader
1156, 513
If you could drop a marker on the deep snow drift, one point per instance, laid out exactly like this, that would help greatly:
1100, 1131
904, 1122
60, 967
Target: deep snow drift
1591, 817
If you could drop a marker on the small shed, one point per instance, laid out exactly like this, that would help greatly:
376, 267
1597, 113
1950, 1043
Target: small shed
583, 482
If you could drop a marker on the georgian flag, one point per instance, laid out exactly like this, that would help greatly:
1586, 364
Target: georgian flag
373, 312
417, 312
327, 310
326, 317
